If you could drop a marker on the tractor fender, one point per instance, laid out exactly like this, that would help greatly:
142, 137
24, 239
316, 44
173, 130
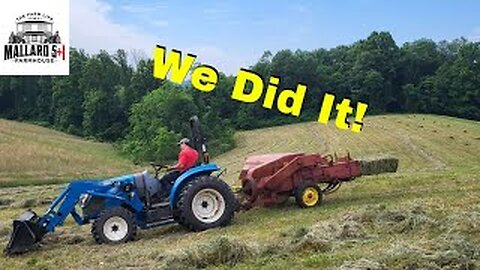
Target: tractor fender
188, 176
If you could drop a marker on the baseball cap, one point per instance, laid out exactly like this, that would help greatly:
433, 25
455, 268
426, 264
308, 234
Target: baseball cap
184, 140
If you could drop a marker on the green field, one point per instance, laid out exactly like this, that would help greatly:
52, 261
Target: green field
31, 154
426, 216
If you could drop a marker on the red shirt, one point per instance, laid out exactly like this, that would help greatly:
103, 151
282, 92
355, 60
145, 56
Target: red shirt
187, 158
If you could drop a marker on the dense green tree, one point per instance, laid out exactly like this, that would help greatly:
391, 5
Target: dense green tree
162, 115
457, 84
141, 83
67, 96
375, 72
104, 116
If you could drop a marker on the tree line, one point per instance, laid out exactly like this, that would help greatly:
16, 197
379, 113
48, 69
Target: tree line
108, 99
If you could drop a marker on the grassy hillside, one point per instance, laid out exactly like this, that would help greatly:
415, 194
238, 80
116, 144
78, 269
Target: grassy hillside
422, 142
30, 154
426, 216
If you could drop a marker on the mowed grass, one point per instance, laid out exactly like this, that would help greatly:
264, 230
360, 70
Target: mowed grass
434, 198
30, 154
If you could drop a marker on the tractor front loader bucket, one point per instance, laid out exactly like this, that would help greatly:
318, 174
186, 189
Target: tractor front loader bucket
26, 233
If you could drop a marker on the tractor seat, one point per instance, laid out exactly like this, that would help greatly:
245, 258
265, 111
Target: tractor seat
144, 181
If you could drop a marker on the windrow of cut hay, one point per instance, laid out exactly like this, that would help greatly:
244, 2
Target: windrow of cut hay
219, 251
451, 249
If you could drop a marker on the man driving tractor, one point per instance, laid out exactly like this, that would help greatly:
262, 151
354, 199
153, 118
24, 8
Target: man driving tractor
187, 158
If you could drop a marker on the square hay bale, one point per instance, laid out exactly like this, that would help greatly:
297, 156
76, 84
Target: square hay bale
378, 165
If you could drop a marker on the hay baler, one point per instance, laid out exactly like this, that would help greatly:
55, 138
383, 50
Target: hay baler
115, 207
273, 178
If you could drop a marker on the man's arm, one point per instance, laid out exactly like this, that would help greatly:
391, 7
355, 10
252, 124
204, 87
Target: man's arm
180, 164
174, 167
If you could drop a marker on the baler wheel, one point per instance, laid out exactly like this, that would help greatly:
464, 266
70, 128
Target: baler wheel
308, 195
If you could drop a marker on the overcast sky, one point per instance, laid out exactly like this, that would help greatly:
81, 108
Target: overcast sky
234, 34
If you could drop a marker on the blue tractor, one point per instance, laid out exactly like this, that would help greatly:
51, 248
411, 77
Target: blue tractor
116, 207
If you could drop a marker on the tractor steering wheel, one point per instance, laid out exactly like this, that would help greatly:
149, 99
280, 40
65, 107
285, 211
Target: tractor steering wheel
158, 167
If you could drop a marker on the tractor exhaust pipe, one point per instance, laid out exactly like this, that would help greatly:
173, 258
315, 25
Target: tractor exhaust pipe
26, 233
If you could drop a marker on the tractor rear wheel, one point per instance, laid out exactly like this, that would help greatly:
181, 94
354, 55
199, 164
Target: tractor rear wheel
114, 225
308, 195
205, 202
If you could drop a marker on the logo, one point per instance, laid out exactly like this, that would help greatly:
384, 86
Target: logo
34, 41
37, 41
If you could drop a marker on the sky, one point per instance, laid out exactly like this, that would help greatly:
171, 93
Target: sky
230, 35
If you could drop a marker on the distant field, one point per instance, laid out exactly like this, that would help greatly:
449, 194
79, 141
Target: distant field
30, 154
422, 142
426, 216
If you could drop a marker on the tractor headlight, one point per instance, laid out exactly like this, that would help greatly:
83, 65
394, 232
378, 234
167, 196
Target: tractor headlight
84, 200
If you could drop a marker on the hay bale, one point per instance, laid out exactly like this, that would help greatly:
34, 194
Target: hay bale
373, 166
362, 264
219, 251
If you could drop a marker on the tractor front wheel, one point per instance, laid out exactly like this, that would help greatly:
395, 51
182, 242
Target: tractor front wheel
308, 195
205, 202
114, 225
